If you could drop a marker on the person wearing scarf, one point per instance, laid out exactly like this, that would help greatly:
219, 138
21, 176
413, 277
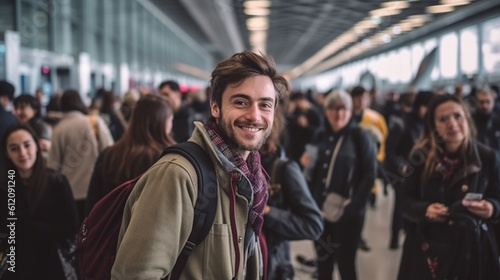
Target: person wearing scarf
449, 237
158, 216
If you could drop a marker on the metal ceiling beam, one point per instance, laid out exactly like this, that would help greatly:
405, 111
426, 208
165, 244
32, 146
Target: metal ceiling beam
172, 25
218, 21
310, 33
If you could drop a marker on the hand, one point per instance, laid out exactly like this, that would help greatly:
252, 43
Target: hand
302, 121
481, 208
436, 212
267, 209
45, 145
305, 160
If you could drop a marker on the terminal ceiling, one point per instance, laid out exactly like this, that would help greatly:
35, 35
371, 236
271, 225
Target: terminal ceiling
309, 36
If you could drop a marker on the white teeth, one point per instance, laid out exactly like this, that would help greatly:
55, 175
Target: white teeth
250, 129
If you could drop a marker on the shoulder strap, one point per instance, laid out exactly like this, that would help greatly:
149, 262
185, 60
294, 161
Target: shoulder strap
206, 202
332, 162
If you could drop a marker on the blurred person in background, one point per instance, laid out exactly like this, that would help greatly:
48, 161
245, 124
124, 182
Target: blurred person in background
6, 117
487, 121
346, 165
291, 212
129, 101
77, 141
302, 122
148, 133
184, 115
28, 111
450, 237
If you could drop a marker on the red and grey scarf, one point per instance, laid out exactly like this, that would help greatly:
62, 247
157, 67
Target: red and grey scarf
252, 169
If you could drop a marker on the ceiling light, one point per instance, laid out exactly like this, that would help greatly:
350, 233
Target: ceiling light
455, 2
384, 12
396, 5
440, 9
257, 4
257, 11
257, 23
396, 30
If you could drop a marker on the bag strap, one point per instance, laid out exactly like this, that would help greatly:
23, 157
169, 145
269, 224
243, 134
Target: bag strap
206, 202
332, 162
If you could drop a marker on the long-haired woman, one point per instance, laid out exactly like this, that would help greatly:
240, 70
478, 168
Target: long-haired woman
42, 210
450, 236
147, 134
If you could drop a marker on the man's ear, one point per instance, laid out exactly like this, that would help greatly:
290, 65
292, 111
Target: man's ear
214, 109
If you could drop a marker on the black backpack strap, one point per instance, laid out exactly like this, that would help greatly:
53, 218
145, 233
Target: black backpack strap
206, 202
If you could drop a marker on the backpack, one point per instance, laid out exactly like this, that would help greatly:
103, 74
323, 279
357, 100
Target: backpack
98, 235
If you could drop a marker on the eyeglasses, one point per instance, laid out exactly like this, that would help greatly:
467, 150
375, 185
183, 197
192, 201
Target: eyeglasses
337, 108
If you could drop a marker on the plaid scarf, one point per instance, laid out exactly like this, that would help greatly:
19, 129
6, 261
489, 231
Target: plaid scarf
252, 169
447, 166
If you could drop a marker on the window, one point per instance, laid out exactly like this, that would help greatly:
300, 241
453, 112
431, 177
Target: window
469, 50
491, 46
448, 55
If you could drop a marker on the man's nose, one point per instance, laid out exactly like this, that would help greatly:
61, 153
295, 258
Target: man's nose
253, 112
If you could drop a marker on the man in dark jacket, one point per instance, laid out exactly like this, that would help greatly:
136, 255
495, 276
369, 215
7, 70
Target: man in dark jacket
182, 126
487, 120
6, 117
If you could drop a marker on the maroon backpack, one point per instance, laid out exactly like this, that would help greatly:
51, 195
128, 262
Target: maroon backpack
98, 235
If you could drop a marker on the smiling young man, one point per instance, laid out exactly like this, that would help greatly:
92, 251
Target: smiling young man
159, 213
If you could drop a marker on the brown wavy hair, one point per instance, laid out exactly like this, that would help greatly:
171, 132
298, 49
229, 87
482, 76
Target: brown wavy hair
143, 140
244, 65
431, 142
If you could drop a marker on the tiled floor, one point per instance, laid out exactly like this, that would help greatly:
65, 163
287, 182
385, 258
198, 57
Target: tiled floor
378, 264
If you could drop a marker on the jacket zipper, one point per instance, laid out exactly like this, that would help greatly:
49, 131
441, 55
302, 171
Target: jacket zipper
235, 177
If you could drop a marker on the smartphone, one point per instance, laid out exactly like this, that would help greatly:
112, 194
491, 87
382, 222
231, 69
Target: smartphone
473, 196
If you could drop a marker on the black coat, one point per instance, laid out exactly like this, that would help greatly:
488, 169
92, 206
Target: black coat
41, 224
482, 176
354, 171
488, 129
294, 215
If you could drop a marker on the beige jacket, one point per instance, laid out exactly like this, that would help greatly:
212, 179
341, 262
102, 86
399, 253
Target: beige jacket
75, 149
158, 219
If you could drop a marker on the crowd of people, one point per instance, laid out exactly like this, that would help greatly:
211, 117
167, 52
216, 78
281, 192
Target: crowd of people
289, 166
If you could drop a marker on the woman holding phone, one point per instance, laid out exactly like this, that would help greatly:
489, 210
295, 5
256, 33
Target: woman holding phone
451, 196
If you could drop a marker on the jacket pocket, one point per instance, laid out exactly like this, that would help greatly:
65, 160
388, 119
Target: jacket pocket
219, 256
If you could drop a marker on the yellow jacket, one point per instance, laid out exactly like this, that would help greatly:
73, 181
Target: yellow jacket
374, 119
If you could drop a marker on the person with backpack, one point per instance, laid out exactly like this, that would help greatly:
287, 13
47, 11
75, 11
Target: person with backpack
451, 195
158, 215
38, 212
291, 212
147, 134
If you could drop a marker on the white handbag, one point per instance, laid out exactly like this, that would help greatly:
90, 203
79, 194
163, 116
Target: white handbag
334, 204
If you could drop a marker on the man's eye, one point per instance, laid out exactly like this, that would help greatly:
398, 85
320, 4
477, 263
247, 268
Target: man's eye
267, 105
240, 102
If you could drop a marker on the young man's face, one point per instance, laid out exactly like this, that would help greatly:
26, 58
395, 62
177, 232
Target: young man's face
246, 114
